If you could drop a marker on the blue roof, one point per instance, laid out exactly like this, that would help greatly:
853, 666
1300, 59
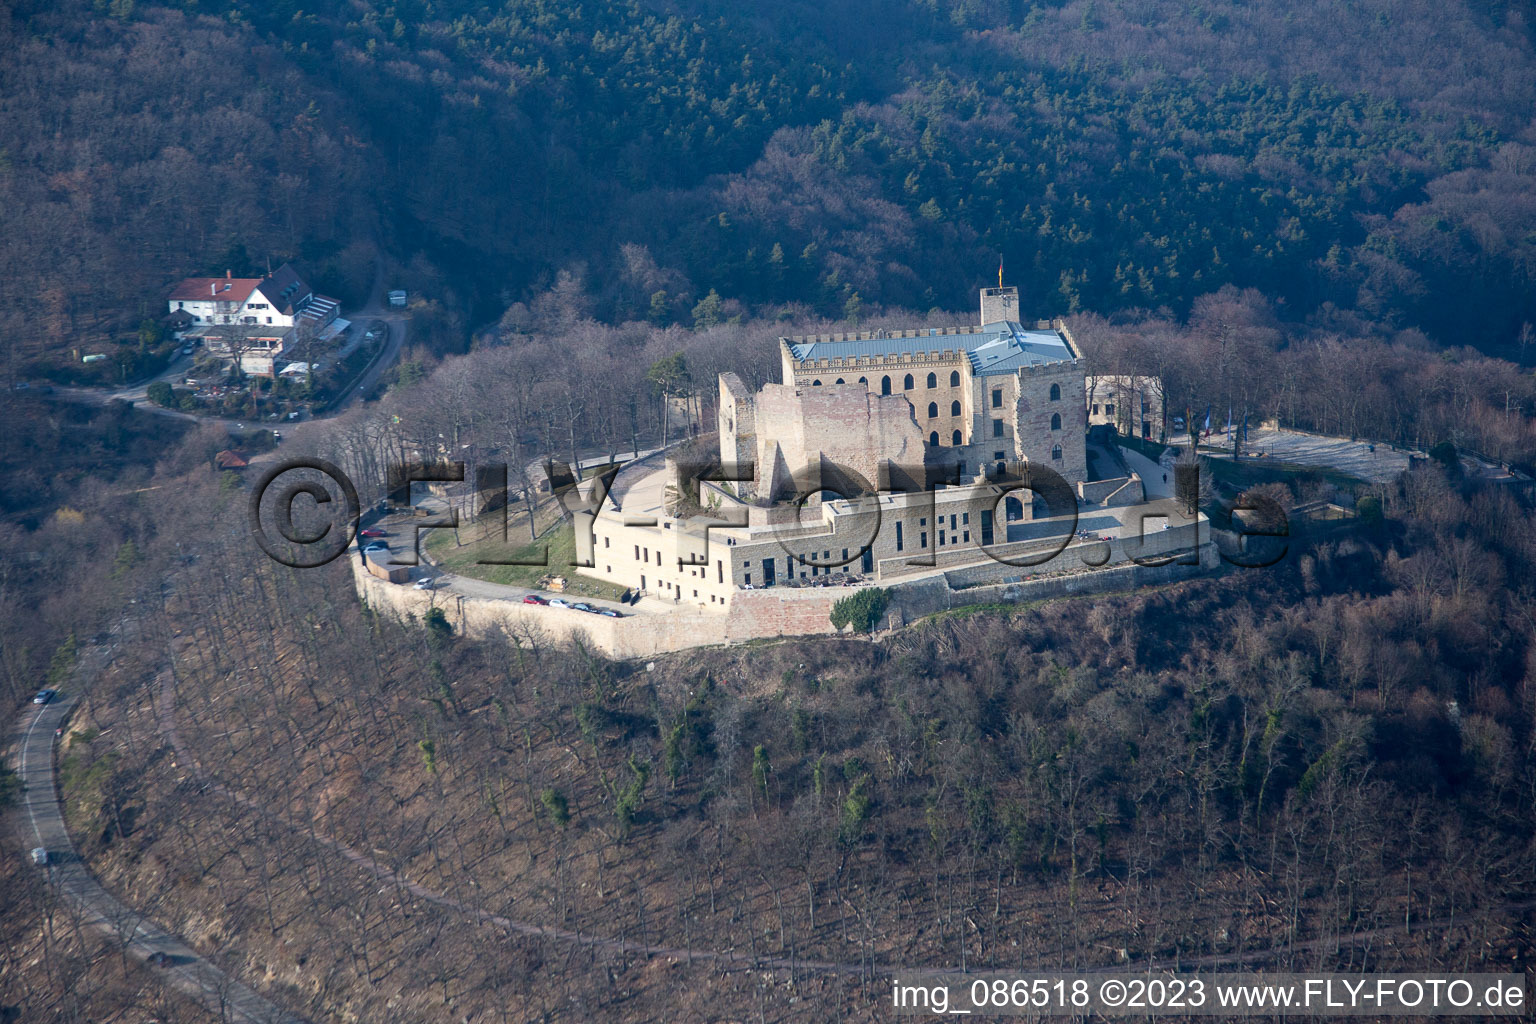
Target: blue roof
997, 348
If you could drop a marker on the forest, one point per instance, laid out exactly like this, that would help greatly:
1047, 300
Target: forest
1116, 158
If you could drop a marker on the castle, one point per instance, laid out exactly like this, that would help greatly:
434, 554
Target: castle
881, 457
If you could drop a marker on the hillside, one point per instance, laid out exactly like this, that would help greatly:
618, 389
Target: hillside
447, 827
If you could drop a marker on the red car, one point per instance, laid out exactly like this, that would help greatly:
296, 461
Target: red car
534, 599
373, 533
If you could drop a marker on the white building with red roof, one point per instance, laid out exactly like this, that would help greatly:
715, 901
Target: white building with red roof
252, 319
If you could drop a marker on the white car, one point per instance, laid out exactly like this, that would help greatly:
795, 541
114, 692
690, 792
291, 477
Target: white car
425, 583
556, 602
377, 545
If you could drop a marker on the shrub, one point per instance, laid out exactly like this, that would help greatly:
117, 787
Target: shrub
555, 806
439, 629
162, 394
863, 610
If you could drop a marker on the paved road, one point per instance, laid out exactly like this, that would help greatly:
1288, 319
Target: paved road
187, 973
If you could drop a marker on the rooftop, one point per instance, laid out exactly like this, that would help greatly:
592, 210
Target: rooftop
995, 348
215, 289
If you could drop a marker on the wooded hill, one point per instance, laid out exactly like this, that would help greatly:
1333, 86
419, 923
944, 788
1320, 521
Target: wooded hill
1361, 155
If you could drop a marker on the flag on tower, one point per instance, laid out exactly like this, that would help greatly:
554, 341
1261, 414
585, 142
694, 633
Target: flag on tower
999, 270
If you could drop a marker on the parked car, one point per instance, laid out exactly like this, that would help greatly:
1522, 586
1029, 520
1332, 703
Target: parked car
373, 531
582, 606
611, 613
39, 855
1178, 424
44, 696
556, 602
377, 545
426, 583
534, 599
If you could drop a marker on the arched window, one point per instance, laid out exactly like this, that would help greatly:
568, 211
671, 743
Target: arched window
933, 409
954, 378
907, 383
1056, 454
885, 385
1055, 421
863, 380
954, 408
933, 380
816, 383
1055, 392
955, 439
1002, 469
839, 380
933, 439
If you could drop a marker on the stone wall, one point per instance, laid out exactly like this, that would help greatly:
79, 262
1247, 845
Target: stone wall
800, 428
780, 612
753, 614
910, 602
736, 422
1034, 437
1119, 491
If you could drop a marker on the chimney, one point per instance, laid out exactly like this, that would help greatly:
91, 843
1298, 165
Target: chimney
213, 289
228, 275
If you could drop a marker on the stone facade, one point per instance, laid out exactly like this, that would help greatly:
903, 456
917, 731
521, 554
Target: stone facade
1132, 405
880, 458
996, 393
808, 435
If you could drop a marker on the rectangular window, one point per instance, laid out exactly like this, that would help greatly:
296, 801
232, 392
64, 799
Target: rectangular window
606, 543
941, 538
967, 536
719, 570
1095, 409
965, 518
951, 520
923, 539
644, 554
923, 521
997, 428
997, 455
997, 398
898, 537
747, 579
607, 568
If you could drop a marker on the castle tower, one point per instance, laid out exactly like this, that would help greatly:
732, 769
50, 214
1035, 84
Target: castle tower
999, 304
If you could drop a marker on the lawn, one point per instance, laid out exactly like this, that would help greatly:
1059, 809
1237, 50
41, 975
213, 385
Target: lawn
460, 553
